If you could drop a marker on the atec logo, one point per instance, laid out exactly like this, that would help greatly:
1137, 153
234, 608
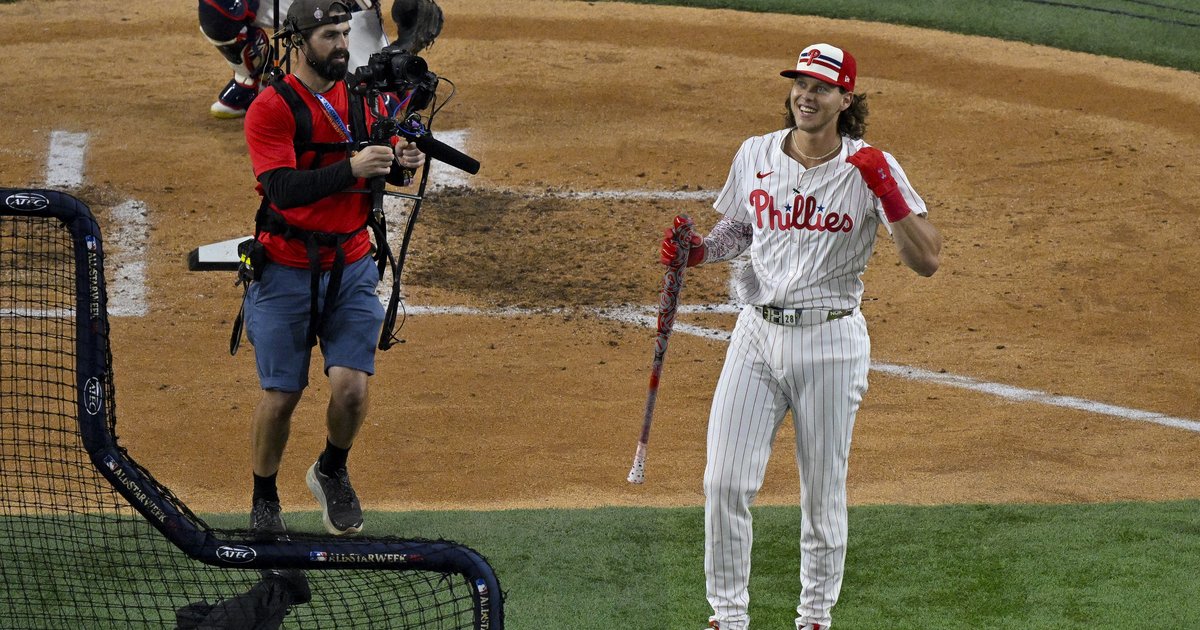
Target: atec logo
236, 553
26, 201
93, 396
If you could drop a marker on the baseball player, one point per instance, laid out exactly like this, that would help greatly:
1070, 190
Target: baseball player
806, 201
238, 28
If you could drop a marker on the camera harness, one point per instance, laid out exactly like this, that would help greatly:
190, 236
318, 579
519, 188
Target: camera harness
267, 219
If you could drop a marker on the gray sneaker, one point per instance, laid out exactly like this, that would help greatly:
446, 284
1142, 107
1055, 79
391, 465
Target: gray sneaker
265, 519
340, 510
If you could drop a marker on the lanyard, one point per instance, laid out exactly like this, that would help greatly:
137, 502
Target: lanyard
332, 116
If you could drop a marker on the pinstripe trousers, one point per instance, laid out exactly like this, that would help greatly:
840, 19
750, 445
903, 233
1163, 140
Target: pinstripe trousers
818, 372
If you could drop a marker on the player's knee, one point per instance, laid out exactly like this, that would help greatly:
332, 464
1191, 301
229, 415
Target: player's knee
276, 406
222, 20
722, 484
246, 51
349, 392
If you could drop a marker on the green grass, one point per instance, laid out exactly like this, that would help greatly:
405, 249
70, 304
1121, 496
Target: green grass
1165, 35
957, 567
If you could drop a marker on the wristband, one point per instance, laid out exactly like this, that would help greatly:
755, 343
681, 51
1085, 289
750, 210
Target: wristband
895, 208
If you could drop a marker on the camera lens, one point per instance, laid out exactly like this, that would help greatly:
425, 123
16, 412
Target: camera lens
409, 68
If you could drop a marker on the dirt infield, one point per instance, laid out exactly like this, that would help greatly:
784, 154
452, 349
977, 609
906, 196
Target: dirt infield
1063, 184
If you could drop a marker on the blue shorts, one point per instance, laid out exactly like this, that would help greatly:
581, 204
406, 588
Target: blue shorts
277, 314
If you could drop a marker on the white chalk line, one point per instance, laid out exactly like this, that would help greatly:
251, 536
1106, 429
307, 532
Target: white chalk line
1007, 392
681, 195
1019, 394
64, 160
65, 168
125, 242
39, 313
127, 293
442, 175
645, 317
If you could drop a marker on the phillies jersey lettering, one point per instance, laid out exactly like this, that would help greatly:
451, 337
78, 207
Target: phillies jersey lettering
802, 214
814, 228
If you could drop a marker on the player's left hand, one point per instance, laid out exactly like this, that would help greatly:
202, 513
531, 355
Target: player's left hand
409, 156
873, 167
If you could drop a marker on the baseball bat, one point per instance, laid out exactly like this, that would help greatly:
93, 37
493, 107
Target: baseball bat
668, 301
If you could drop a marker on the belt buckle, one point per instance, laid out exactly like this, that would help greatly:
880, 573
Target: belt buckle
770, 314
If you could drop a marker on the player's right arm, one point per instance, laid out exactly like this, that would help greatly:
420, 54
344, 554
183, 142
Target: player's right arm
731, 235
725, 241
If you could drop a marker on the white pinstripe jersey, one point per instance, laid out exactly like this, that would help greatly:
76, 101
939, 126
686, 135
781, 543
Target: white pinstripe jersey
814, 229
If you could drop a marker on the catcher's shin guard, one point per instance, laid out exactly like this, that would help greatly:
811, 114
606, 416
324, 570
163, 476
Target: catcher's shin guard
246, 55
229, 25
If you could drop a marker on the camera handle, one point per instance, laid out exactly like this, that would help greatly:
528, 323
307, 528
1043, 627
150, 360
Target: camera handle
382, 131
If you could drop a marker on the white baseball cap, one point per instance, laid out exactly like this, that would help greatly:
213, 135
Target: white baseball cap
827, 63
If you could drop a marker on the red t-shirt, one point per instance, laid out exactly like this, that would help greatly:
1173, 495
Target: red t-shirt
270, 133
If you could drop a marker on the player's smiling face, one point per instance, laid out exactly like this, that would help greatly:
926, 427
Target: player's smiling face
816, 104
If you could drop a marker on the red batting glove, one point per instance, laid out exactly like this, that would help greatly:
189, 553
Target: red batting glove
670, 250
878, 175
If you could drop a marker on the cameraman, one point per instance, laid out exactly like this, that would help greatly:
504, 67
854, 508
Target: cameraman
317, 280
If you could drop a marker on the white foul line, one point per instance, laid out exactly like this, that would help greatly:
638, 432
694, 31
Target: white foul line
127, 293
64, 160
129, 226
443, 175
682, 195
1032, 395
644, 316
1008, 392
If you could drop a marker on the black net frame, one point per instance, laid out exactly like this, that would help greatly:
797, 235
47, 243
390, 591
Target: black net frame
88, 537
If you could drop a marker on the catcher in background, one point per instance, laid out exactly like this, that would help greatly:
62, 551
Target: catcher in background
238, 28
807, 201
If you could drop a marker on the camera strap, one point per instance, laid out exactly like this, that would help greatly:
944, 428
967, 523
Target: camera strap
302, 141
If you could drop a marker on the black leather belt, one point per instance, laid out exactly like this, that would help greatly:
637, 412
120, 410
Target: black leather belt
801, 316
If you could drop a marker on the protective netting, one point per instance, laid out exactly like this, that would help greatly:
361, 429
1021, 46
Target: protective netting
75, 552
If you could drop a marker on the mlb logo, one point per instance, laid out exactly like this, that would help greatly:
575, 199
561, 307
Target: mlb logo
318, 556
110, 462
90, 241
